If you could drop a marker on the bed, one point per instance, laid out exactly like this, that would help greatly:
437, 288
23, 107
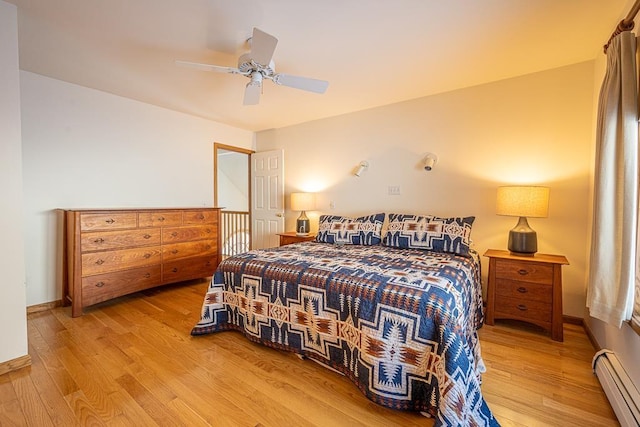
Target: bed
398, 316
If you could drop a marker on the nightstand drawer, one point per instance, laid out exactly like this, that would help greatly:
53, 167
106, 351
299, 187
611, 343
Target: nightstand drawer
524, 291
514, 308
524, 271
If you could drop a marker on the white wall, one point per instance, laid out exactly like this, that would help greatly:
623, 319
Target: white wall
13, 315
233, 180
532, 129
88, 149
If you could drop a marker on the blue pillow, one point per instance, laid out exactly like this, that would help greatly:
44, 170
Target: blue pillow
365, 230
429, 232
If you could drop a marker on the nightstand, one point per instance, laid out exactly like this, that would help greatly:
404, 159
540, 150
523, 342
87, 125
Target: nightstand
526, 288
292, 237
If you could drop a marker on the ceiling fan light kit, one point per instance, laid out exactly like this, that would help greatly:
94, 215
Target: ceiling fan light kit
258, 65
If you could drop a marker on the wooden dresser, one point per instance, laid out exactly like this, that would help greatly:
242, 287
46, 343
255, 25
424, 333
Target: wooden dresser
527, 288
114, 252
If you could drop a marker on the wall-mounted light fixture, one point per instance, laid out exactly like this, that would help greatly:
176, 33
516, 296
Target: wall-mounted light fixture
303, 202
429, 161
361, 168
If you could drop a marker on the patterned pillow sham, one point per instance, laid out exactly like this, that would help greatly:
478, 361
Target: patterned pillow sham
365, 230
429, 232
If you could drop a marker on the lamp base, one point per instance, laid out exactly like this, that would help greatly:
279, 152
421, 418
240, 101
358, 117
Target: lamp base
302, 225
523, 240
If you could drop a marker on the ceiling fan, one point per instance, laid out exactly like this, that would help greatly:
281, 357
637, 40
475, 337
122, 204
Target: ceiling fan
258, 65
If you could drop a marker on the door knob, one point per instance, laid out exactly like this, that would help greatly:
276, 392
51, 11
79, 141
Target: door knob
280, 214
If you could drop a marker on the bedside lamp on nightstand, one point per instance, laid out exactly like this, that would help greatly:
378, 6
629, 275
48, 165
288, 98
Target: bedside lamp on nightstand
303, 202
523, 202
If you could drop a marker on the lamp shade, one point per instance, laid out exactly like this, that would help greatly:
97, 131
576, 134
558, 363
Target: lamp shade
303, 201
523, 201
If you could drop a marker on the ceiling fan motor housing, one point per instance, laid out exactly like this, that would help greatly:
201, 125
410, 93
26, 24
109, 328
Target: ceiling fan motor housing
247, 65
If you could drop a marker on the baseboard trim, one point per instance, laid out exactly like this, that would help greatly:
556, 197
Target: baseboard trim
573, 320
43, 307
15, 364
591, 337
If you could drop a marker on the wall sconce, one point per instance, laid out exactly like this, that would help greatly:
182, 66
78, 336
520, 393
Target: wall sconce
429, 161
303, 202
361, 168
523, 202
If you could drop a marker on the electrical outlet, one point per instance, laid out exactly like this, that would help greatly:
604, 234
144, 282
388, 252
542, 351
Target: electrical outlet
394, 190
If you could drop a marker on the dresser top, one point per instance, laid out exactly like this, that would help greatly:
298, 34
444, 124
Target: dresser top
139, 209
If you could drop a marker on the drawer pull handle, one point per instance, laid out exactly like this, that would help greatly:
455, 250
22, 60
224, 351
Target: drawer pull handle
161, 218
175, 251
100, 284
100, 262
174, 269
147, 236
147, 255
522, 290
147, 275
174, 234
200, 216
110, 221
100, 240
208, 230
523, 272
521, 307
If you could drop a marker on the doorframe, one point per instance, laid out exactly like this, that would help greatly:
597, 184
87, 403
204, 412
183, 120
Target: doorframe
218, 146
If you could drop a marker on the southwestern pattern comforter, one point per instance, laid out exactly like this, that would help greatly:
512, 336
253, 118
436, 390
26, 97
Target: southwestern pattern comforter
400, 323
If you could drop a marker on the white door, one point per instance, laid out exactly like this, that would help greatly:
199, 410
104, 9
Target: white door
267, 192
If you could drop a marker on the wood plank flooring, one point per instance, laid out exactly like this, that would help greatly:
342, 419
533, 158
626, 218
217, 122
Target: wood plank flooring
131, 361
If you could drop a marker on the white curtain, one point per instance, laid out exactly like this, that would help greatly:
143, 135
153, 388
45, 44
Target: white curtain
613, 244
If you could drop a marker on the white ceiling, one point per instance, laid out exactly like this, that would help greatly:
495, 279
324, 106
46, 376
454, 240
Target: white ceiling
372, 52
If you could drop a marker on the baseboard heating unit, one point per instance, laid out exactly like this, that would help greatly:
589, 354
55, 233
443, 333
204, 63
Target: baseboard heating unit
616, 383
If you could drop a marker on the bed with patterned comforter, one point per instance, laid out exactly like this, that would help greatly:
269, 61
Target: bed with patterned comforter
400, 323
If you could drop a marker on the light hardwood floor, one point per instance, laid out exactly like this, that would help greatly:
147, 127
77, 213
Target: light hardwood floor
131, 361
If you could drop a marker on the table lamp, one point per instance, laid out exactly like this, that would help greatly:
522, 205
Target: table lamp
303, 202
523, 202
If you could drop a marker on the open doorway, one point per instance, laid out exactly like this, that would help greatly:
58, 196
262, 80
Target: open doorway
232, 192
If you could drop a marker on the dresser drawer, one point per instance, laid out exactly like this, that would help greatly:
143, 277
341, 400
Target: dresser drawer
525, 271
189, 249
186, 234
103, 287
200, 217
108, 221
160, 219
107, 261
191, 268
524, 291
105, 240
514, 308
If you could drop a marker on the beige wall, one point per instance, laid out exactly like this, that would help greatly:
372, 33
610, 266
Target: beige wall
84, 148
13, 316
534, 129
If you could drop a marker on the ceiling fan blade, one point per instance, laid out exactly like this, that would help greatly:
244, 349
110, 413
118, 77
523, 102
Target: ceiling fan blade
252, 94
304, 83
262, 47
207, 67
